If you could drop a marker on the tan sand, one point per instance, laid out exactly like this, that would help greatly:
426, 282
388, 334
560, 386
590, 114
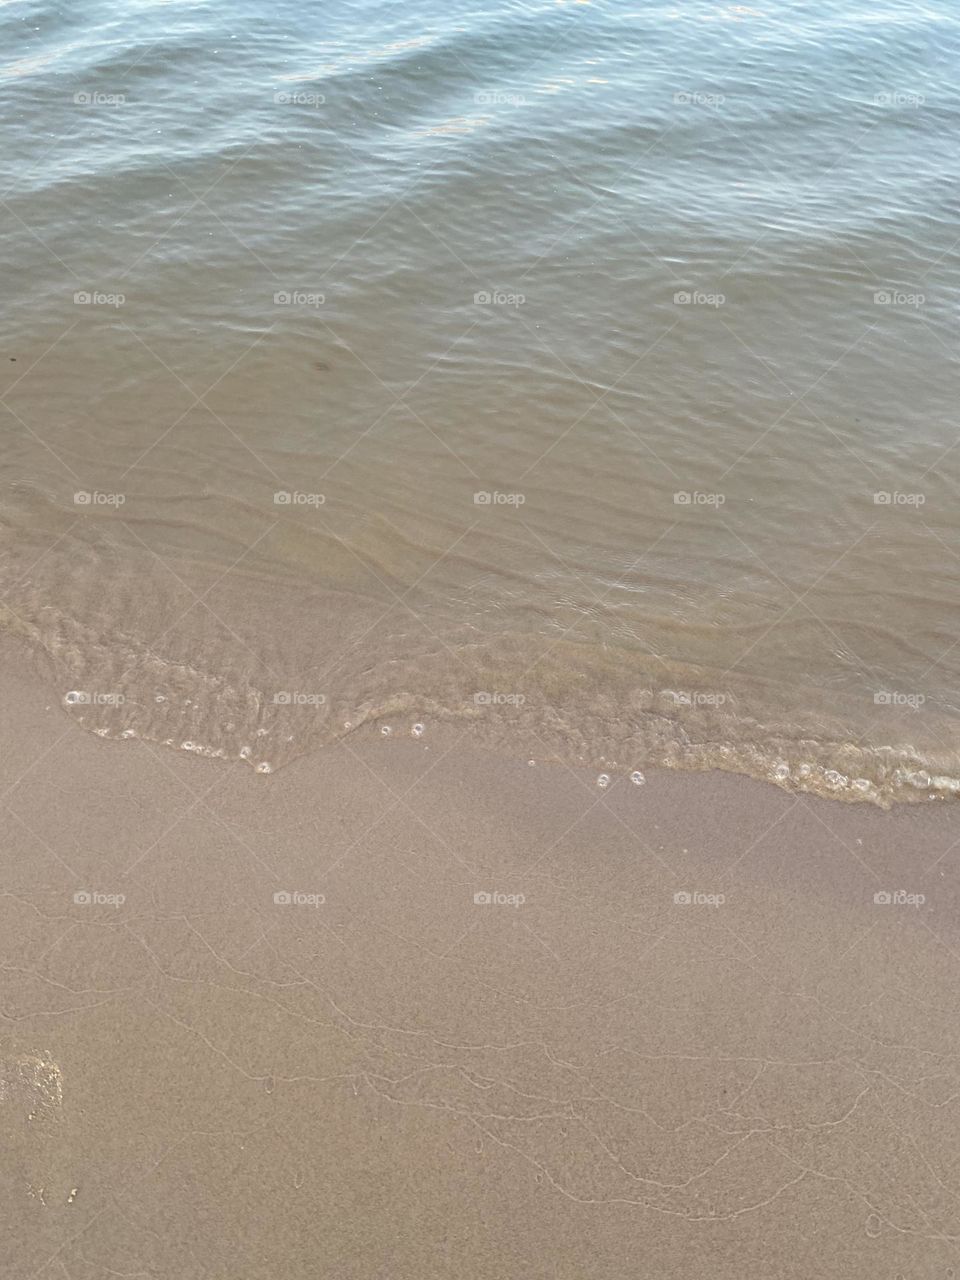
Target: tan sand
600, 1081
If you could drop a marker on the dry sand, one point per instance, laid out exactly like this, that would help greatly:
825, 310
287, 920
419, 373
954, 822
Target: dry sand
400, 1082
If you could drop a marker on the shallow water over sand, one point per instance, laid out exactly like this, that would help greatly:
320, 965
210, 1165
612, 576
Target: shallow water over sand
581, 374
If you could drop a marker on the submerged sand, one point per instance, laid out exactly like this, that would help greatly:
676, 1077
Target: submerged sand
200, 1081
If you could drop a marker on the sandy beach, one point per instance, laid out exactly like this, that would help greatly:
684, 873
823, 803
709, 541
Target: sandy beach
378, 1074
479, 660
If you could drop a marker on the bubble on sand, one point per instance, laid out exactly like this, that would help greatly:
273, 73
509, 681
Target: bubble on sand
244, 753
264, 767
873, 1226
386, 730
781, 771
603, 780
159, 697
637, 778
417, 730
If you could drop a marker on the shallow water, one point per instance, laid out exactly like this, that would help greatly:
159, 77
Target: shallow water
675, 286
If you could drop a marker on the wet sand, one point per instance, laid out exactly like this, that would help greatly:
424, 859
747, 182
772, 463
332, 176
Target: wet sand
399, 1081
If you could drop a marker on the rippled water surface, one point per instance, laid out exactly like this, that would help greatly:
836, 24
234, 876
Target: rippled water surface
585, 372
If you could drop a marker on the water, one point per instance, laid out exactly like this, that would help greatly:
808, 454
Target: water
674, 286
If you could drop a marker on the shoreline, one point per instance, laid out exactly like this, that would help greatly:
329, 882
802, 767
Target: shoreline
223, 721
